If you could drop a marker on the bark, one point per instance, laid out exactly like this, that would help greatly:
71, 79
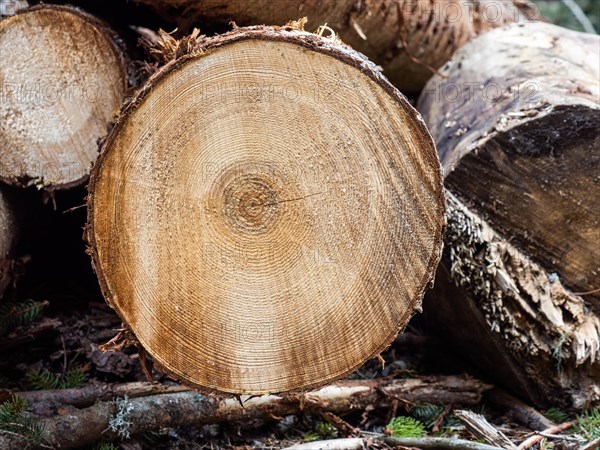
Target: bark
88, 395
63, 81
410, 39
512, 318
428, 443
519, 138
8, 240
249, 250
109, 421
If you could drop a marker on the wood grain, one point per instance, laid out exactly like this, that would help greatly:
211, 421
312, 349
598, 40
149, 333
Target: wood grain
62, 81
267, 214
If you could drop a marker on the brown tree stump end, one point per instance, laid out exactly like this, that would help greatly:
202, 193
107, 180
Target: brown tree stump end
409, 39
267, 213
62, 82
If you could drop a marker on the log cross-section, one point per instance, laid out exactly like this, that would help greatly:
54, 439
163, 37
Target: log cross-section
267, 213
62, 81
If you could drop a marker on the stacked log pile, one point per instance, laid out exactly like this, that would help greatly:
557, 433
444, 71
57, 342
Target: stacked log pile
266, 212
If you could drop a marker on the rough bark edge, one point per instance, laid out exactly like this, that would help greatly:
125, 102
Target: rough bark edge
331, 47
505, 284
115, 420
118, 47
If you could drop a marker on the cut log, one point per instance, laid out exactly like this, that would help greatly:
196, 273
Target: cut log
518, 135
512, 318
410, 39
8, 240
62, 80
519, 138
267, 213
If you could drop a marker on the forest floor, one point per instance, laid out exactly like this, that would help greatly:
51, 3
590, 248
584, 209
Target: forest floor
57, 347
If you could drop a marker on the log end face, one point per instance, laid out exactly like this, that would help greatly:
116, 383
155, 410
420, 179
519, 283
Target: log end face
244, 239
62, 82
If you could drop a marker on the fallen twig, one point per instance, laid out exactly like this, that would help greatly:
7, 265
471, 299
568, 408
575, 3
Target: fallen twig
99, 422
580, 16
30, 335
595, 444
530, 442
428, 443
482, 429
332, 444
90, 394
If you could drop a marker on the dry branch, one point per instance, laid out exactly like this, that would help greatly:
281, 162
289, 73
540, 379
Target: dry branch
478, 425
86, 426
519, 411
530, 442
90, 394
428, 443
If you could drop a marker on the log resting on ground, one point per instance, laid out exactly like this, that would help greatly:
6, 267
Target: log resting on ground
62, 81
518, 135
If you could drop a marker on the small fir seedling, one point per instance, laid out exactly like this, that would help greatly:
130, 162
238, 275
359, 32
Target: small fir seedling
15, 420
588, 424
405, 427
45, 380
322, 430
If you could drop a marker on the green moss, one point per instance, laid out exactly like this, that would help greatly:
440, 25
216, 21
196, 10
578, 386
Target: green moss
322, 430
